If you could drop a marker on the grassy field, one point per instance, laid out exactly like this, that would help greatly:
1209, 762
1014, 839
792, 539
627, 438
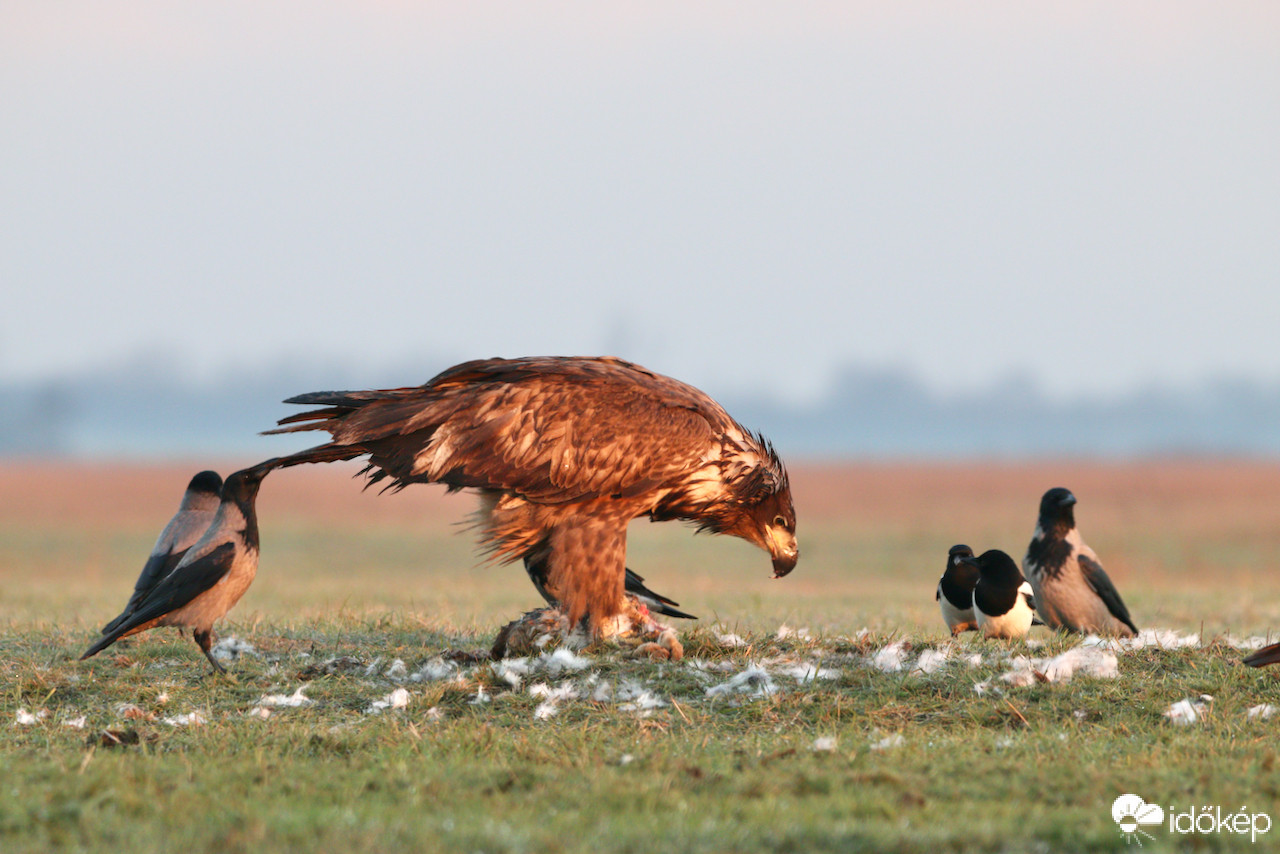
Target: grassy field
858, 725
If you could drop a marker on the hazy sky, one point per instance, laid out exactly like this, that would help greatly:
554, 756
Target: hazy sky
741, 194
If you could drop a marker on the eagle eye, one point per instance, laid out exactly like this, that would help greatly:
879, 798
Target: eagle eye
780, 521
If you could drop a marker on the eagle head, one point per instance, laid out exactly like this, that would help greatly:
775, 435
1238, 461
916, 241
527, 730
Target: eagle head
757, 505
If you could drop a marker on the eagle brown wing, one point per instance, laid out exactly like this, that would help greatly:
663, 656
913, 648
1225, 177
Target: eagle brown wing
550, 430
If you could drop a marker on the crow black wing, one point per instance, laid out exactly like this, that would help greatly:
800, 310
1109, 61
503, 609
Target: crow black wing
157, 567
1101, 584
178, 588
1263, 657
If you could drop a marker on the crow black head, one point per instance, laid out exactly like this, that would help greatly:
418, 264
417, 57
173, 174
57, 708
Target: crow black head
1056, 509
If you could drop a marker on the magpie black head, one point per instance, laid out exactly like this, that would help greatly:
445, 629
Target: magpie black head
1057, 509
209, 482
959, 574
996, 568
959, 578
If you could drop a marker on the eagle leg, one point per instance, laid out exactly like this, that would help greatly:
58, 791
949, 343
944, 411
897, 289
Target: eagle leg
586, 564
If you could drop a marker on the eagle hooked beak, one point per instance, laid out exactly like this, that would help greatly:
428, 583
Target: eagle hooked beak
783, 549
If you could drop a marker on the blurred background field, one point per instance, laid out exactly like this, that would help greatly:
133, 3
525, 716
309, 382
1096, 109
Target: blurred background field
1191, 545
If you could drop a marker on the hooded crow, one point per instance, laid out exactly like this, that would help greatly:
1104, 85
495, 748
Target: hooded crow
955, 591
536, 566
210, 578
194, 515
1263, 657
1072, 590
1003, 603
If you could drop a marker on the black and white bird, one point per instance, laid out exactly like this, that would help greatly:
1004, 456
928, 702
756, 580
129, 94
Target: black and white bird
195, 514
210, 578
655, 602
1072, 591
1003, 603
955, 591
536, 566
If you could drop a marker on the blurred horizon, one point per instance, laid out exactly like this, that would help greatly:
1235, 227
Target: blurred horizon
146, 409
1061, 215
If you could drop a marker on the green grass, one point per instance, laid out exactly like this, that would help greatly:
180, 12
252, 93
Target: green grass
1029, 768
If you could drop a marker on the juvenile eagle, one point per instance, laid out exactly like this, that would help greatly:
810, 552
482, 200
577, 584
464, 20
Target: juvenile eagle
564, 453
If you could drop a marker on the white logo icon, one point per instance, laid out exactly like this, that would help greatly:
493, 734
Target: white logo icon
1132, 813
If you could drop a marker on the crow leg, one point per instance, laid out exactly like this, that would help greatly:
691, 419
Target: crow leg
205, 640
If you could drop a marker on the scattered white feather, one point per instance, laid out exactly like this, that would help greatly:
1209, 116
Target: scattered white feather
731, 640
889, 742
1159, 638
562, 661
634, 697
1022, 674
25, 718
563, 691
1262, 712
891, 658
722, 666
1188, 711
512, 670
397, 699
397, 672
785, 632
1082, 661
1251, 643
76, 723
434, 714
932, 660
372, 668
191, 719
260, 712
755, 681
297, 698
824, 744
603, 692
434, 670
803, 671
1092, 660
982, 689
973, 659
552, 697
482, 696
231, 648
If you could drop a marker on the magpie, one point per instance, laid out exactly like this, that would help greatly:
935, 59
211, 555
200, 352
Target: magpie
955, 591
210, 578
1003, 603
1072, 591
194, 515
